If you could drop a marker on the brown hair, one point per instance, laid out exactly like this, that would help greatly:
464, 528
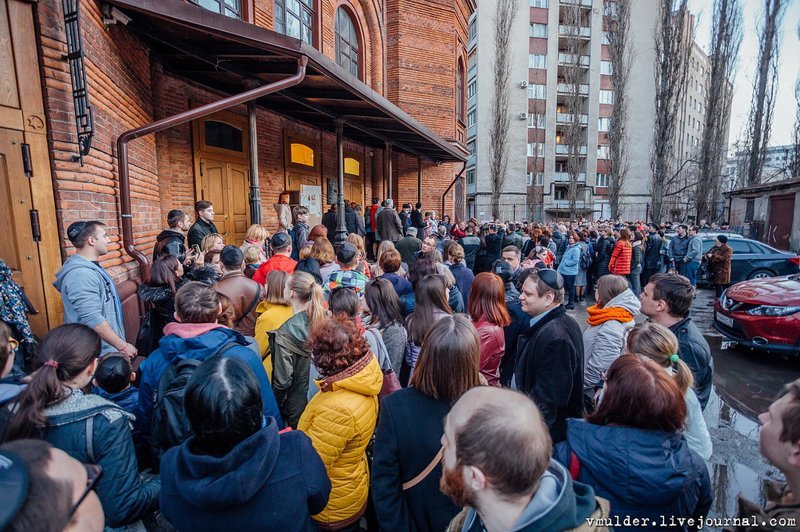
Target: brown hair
307, 290
196, 302
487, 300
317, 232
449, 359
610, 286
640, 394
64, 353
322, 250
456, 253
625, 234
343, 300
201, 205
208, 258
675, 290
163, 272
791, 415
431, 295
658, 343
383, 303
228, 314
390, 261
275, 287
336, 344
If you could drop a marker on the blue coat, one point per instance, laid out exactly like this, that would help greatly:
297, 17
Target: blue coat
106, 441
269, 481
401, 285
464, 278
173, 348
570, 261
642, 473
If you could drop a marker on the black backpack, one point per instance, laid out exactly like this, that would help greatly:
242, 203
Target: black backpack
169, 425
586, 260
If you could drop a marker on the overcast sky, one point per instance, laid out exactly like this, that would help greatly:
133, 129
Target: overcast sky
748, 59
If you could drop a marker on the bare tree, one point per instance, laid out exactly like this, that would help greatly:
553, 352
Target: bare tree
535, 196
794, 166
498, 132
672, 61
616, 23
725, 41
765, 86
575, 126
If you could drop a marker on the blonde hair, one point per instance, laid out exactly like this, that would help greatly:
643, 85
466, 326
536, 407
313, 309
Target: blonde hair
608, 287
445, 272
208, 242
383, 247
256, 233
659, 344
456, 252
304, 252
252, 255
306, 289
322, 250
275, 287
358, 242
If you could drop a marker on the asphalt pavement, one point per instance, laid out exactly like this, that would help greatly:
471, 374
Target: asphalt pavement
745, 383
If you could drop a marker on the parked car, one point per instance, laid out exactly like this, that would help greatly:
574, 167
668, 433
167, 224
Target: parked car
751, 259
762, 314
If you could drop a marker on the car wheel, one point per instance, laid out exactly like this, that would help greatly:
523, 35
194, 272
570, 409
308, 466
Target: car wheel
760, 274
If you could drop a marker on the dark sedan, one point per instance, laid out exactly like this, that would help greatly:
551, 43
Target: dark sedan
753, 260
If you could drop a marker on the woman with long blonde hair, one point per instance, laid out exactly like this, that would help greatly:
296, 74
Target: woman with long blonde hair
659, 344
291, 356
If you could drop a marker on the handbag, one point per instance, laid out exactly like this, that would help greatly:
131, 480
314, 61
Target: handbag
146, 342
390, 381
425, 472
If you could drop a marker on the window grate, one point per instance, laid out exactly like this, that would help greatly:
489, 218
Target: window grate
84, 121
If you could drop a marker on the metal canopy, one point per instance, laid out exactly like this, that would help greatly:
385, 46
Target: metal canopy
230, 55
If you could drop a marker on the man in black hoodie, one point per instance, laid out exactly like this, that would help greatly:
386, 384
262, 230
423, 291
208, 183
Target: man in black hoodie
172, 240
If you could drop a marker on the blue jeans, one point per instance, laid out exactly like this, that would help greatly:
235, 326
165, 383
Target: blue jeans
690, 271
569, 286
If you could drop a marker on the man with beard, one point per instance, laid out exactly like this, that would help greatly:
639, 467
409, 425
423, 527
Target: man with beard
497, 464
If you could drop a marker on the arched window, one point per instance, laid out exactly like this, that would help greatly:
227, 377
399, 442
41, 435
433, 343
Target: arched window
460, 90
301, 154
346, 42
295, 18
352, 166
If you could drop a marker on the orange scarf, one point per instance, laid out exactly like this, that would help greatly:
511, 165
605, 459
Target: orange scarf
599, 315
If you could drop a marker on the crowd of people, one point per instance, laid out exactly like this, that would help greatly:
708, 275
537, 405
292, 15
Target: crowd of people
420, 375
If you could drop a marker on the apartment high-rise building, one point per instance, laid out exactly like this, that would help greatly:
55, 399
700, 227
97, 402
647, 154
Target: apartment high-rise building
561, 97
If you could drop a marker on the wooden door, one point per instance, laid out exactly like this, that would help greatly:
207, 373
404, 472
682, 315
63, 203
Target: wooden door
354, 190
226, 185
295, 179
26, 187
781, 218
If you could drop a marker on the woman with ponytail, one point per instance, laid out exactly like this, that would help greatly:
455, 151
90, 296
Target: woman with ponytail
87, 427
659, 344
291, 358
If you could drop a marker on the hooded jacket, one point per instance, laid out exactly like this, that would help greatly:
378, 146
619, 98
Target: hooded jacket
268, 480
549, 369
558, 504
340, 421
90, 297
291, 367
170, 242
642, 473
198, 341
93, 430
602, 344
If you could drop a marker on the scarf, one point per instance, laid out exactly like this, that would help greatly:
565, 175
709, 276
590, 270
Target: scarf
598, 316
14, 306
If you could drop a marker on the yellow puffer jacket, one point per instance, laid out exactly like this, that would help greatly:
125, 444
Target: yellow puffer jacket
340, 421
270, 318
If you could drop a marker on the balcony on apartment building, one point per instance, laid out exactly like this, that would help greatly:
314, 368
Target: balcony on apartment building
564, 149
568, 118
563, 204
582, 3
563, 177
567, 59
584, 32
569, 88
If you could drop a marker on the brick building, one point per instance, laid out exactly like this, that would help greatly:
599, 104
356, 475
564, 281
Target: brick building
390, 72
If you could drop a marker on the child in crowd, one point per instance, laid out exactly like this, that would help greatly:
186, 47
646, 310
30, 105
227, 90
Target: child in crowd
252, 260
113, 380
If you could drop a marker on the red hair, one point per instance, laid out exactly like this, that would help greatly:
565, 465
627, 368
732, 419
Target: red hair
487, 300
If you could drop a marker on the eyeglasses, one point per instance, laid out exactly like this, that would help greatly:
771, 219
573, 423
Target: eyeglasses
551, 278
94, 473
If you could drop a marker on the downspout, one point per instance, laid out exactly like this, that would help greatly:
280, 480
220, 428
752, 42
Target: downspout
176, 120
456, 178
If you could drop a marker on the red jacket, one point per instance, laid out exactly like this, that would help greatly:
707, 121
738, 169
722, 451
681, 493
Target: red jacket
620, 263
276, 262
493, 345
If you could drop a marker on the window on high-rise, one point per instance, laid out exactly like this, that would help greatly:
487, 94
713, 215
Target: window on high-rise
538, 30
535, 149
472, 88
471, 118
606, 96
346, 42
602, 152
539, 3
295, 18
602, 180
537, 61
471, 176
537, 91
471, 147
229, 8
603, 124
605, 67
537, 121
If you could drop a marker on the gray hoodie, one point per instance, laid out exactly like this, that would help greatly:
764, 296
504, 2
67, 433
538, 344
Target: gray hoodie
89, 296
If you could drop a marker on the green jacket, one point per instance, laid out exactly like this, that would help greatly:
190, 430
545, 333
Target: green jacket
291, 362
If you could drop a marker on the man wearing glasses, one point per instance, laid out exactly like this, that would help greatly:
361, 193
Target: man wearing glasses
88, 292
549, 365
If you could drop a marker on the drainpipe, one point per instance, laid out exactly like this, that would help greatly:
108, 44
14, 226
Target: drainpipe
255, 189
458, 175
176, 120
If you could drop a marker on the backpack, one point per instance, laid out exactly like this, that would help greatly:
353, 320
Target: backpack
586, 260
170, 426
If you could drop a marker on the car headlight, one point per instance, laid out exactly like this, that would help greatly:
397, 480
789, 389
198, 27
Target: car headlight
768, 310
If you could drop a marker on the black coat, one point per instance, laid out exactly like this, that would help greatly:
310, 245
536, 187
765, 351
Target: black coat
605, 247
350, 219
408, 436
199, 230
416, 220
329, 221
512, 333
652, 253
169, 242
549, 368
